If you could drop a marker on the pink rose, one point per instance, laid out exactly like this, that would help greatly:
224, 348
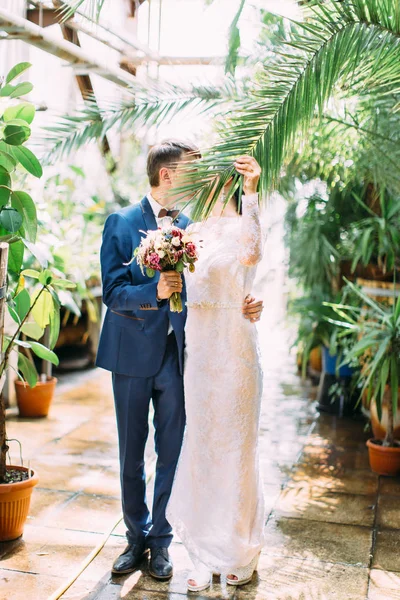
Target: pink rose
154, 261
191, 249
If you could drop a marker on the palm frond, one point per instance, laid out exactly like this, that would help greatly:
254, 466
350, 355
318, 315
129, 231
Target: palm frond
234, 41
147, 105
353, 45
69, 7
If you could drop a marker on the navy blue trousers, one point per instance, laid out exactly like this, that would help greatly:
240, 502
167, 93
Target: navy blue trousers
132, 397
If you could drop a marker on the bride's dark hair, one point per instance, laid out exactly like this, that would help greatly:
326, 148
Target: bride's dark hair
237, 200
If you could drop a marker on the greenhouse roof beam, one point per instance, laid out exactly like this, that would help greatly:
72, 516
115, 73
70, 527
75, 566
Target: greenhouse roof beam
96, 35
98, 32
179, 60
17, 27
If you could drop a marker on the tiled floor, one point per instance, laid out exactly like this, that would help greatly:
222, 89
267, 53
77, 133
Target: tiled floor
332, 527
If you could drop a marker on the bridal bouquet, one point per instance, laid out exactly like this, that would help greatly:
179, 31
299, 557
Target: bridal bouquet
167, 249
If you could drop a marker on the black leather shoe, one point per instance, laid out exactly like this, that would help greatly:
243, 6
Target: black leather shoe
160, 564
129, 560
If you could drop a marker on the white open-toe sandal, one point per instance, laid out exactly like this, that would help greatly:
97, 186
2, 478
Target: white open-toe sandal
202, 579
244, 574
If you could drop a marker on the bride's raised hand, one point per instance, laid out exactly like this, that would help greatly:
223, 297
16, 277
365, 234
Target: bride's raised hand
251, 171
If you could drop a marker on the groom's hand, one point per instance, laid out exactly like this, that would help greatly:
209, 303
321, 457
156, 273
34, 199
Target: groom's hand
169, 283
252, 309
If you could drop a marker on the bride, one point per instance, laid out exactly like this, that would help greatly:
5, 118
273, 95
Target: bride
216, 505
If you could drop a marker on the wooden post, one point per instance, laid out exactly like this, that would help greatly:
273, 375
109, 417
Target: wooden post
3, 292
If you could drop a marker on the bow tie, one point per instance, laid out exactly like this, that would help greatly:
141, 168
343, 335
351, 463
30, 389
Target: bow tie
168, 213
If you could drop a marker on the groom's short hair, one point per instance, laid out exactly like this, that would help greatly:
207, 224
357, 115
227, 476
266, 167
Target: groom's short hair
166, 154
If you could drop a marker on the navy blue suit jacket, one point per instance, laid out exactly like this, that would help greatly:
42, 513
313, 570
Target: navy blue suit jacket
135, 328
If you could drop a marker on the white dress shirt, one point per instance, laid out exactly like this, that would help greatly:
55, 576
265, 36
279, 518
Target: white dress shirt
156, 207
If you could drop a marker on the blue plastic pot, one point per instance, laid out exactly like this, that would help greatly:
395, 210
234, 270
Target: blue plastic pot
329, 364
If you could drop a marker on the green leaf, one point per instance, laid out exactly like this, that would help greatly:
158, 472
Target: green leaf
21, 89
46, 277
5, 180
234, 41
43, 307
24, 111
150, 272
15, 135
28, 370
32, 330
6, 90
23, 203
22, 304
10, 219
28, 160
17, 70
78, 171
384, 377
397, 310
43, 352
21, 343
7, 161
180, 267
31, 273
54, 326
15, 256
63, 284
14, 314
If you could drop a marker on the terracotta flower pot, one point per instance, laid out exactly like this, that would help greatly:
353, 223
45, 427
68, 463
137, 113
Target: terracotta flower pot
35, 402
383, 461
15, 499
316, 359
379, 427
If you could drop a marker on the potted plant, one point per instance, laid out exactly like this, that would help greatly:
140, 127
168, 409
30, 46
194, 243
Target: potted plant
37, 314
31, 312
316, 330
313, 331
377, 329
376, 238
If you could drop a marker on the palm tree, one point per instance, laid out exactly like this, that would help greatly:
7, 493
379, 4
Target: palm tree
340, 48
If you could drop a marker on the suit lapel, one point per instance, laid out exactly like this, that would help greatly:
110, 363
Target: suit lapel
149, 224
148, 215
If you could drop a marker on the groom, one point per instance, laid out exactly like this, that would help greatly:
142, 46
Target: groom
142, 343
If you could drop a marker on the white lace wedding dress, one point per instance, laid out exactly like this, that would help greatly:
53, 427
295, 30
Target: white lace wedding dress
216, 504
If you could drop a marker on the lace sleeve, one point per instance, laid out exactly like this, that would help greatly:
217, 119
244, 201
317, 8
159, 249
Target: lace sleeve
250, 252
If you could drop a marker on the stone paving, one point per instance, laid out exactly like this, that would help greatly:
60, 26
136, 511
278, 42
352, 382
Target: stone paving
332, 527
